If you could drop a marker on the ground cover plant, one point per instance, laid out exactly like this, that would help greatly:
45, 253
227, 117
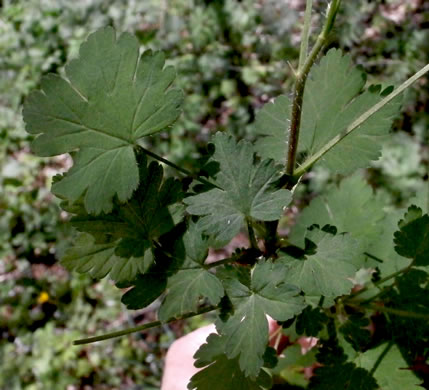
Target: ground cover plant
348, 273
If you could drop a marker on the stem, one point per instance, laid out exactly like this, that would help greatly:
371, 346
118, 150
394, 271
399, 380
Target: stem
140, 327
271, 238
377, 259
400, 313
176, 167
385, 279
358, 122
381, 357
305, 34
252, 237
395, 274
301, 79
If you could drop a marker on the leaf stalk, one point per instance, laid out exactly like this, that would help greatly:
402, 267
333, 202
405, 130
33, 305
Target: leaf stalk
176, 167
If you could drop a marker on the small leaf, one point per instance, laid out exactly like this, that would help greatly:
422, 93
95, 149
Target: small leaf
332, 100
412, 239
192, 281
392, 372
328, 270
146, 289
411, 215
246, 191
351, 207
110, 100
99, 260
273, 122
130, 230
421, 199
246, 330
356, 331
336, 372
221, 372
344, 376
185, 288
410, 294
311, 321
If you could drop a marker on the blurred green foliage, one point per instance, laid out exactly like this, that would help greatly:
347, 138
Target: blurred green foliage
231, 57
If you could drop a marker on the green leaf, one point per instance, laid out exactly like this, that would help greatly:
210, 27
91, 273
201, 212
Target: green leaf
131, 230
356, 331
246, 191
221, 372
421, 199
328, 270
382, 247
311, 321
185, 290
192, 282
140, 221
412, 213
332, 100
146, 289
99, 260
292, 363
273, 122
391, 373
336, 372
246, 330
351, 207
412, 239
109, 101
410, 294
344, 376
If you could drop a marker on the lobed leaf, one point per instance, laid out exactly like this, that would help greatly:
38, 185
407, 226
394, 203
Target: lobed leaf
246, 330
327, 270
351, 207
391, 373
131, 230
246, 191
311, 321
342, 376
412, 239
146, 288
109, 101
355, 331
221, 372
332, 100
192, 281
99, 260
272, 122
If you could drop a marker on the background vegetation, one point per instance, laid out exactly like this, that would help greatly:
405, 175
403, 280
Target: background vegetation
231, 57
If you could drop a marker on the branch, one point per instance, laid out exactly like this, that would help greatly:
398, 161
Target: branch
301, 79
140, 328
305, 34
385, 279
399, 313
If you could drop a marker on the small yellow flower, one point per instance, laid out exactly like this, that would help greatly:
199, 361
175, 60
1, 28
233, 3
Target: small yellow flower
43, 297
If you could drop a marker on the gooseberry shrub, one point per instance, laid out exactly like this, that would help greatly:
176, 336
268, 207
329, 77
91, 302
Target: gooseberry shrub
349, 274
